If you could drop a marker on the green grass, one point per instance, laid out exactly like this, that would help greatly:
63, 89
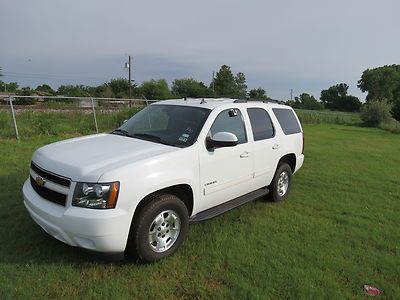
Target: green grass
338, 230
33, 122
328, 117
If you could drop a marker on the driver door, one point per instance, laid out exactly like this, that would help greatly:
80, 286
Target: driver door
226, 173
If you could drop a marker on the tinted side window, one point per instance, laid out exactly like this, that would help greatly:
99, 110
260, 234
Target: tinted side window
227, 121
287, 120
260, 123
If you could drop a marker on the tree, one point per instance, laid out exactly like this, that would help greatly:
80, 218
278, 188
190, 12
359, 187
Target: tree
120, 87
11, 87
45, 90
306, 101
240, 86
100, 91
336, 98
3, 86
258, 93
155, 90
396, 104
380, 83
228, 85
383, 84
25, 91
224, 82
189, 87
78, 90
350, 103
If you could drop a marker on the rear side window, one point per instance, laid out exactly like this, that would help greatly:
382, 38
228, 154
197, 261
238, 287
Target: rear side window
261, 124
287, 120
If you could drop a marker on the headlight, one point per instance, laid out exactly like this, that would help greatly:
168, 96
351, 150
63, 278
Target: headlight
96, 195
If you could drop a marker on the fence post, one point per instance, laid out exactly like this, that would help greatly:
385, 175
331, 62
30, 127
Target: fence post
13, 117
94, 115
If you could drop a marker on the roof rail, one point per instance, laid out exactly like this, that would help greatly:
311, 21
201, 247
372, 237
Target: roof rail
240, 101
268, 100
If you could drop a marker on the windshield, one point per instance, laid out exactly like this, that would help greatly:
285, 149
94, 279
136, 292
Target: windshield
172, 125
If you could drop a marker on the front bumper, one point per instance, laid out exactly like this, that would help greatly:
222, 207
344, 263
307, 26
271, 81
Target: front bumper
104, 231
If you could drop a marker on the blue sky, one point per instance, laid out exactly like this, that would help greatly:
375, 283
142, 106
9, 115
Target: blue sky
305, 45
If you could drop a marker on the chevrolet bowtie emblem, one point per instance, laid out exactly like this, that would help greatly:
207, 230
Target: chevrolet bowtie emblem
40, 181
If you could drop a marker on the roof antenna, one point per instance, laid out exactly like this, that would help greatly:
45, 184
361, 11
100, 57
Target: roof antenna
203, 101
185, 98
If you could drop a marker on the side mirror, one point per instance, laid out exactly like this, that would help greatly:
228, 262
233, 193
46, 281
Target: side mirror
221, 139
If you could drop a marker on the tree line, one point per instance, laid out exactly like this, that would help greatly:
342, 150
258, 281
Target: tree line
382, 85
225, 84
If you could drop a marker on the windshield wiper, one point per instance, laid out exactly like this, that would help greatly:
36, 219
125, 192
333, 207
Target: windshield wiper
142, 136
146, 136
120, 132
150, 137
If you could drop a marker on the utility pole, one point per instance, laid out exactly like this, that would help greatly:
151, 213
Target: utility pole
213, 79
130, 85
128, 66
291, 94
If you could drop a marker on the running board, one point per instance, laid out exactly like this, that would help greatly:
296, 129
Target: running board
227, 206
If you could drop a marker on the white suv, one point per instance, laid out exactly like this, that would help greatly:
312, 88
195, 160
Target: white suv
136, 189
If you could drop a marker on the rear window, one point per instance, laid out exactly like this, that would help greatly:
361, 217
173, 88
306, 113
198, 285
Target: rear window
287, 120
260, 123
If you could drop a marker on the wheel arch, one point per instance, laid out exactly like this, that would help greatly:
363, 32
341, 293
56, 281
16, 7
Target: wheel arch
290, 159
183, 191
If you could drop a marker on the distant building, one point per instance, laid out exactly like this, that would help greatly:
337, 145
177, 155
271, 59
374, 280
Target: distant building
5, 96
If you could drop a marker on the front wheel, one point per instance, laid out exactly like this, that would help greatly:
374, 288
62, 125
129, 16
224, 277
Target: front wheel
281, 183
159, 229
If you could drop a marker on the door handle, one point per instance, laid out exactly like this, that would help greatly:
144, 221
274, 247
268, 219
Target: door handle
276, 146
245, 154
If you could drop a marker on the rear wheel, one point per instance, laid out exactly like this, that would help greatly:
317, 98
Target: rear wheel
159, 229
281, 183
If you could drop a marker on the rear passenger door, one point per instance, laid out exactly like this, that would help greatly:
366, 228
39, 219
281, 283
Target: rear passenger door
266, 147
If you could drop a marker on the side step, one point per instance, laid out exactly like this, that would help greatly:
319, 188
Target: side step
227, 206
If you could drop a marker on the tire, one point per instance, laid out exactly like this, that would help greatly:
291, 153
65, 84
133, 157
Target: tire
281, 183
159, 229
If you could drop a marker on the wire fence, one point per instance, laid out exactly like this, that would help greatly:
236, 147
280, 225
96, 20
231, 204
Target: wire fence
67, 104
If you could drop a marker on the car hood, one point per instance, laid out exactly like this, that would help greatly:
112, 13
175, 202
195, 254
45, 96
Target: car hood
87, 158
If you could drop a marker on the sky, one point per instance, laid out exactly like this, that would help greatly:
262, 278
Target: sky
303, 45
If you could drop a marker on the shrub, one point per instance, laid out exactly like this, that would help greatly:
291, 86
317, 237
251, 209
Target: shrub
396, 109
42, 125
375, 113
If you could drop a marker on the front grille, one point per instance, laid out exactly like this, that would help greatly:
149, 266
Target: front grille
50, 176
48, 194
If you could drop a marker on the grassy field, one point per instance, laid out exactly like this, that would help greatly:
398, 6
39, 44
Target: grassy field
55, 121
343, 118
34, 122
338, 230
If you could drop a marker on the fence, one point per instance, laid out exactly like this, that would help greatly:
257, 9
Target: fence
83, 103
